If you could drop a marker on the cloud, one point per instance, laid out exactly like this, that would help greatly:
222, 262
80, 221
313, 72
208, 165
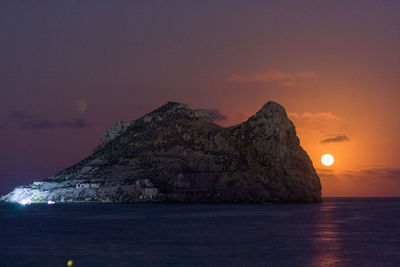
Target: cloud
27, 120
217, 115
39, 124
336, 139
364, 183
321, 116
378, 173
47, 124
285, 79
77, 123
288, 84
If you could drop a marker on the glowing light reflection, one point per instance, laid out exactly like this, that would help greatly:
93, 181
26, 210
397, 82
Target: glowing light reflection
25, 202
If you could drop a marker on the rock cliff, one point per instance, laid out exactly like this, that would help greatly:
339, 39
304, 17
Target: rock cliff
178, 154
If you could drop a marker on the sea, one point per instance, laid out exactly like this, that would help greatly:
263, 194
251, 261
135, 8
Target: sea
337, 232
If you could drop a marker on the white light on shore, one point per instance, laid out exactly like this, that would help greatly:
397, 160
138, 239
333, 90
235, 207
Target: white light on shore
50, 202
25, 202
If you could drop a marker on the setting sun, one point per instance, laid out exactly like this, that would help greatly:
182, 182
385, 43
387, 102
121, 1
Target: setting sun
327, 159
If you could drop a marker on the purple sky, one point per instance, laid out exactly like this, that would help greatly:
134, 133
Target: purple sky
70, 69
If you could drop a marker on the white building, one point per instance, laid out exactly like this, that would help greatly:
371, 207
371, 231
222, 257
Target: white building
146, 189
149, 193
84, 185
144, 182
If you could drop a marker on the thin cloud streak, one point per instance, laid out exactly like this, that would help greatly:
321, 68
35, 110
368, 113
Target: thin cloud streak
77, 123
26, 120
393, 173
376, 172
336, 139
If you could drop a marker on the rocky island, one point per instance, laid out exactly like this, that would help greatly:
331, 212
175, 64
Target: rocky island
176, 154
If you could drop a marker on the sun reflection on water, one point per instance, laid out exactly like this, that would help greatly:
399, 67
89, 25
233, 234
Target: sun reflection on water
327, 241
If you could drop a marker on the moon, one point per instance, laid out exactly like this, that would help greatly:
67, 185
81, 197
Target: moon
327, 160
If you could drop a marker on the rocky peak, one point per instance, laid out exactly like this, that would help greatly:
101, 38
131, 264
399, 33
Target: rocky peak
176, 111
272, 107
188, 158
272, 117
172, 107
167, 112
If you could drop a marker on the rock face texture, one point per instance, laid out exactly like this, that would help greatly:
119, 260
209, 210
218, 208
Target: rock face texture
178, 154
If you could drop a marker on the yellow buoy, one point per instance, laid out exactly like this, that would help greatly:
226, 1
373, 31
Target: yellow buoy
69, 263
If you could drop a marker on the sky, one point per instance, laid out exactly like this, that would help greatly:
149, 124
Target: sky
70, 69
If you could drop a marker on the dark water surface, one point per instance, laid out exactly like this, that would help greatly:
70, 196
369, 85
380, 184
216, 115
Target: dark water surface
338, 232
